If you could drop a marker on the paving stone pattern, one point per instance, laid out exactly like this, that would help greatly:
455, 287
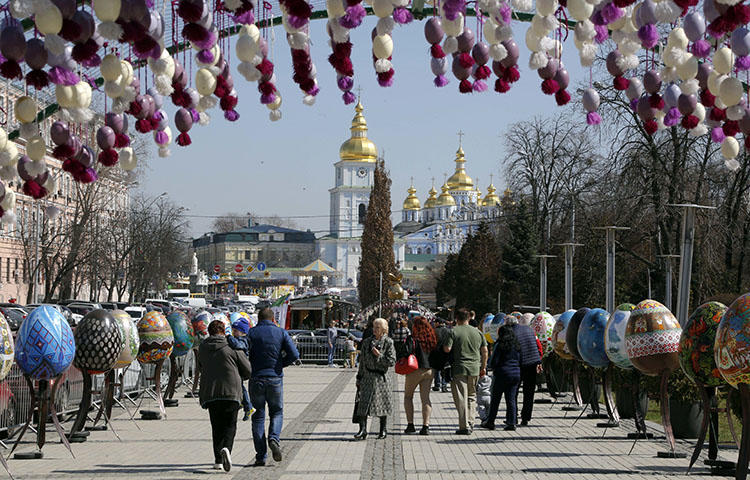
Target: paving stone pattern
317, 444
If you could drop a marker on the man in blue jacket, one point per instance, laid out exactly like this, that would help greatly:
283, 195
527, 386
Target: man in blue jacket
271, 349
531, 363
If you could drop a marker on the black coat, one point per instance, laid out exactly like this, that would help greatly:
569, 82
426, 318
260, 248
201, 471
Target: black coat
222, 371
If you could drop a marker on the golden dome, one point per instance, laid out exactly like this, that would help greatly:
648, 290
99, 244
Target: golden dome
445, 199
491, 200
359, 147
411, 202
460, 180
432, 199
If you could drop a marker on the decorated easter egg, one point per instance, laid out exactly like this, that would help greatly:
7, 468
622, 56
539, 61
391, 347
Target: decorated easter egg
98, 342
156, 338
200, 326
732, 347
6, 347
614, 336
130, 340
652, 338
591, 338
571, 333
491, 325
543, 325
526, 319
182, 331
45, 346
225, 320
518, 315
697, 344
559, 335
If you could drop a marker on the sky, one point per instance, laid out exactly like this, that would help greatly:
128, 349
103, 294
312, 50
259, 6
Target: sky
285, 168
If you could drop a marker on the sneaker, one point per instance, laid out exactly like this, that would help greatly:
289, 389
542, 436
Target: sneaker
275, 450
425, 430
218, 466
259, 463
463, 431
226, 459
410, 428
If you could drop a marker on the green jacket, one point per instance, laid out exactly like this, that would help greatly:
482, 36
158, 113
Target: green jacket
222, 371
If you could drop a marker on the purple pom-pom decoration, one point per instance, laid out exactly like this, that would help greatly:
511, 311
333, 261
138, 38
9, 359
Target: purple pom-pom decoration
195, 114
634, 104
742, 63
701, 48
266, 99
672, 117
717, 134
611, 13
452, 8
61, 76
345, 83
402, 16
385, 82
648, 35
598, 19
297, 22
207, 43
593, 118
205, 56
348, 98
161, 138
441, 81
245, 18
505, 13
353, 16
602, 34
231, 115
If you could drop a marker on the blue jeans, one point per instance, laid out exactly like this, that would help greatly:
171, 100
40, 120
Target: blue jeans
246, 403
508, 386
330, 354
266, 390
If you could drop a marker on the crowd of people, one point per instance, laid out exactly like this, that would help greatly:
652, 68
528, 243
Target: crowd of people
432, 357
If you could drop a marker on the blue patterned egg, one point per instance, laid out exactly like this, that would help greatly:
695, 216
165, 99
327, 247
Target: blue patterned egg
591, 338
558, 335
614, 336
490, 326
45, 346
6, 347
182, 330
98, 342
571, 333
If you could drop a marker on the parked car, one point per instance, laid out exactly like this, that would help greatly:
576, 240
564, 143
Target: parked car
14, 318
157, 302
135, 311
72, 318
81, 308
68, 302
109, 306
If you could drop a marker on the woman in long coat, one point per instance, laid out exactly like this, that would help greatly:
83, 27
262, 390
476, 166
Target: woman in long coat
374, 389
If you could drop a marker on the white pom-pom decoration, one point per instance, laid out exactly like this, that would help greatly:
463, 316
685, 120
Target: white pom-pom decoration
498, 51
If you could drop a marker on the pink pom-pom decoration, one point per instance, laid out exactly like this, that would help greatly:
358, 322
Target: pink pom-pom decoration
593, 118
402, 16
717, 135
479, 86
441, 81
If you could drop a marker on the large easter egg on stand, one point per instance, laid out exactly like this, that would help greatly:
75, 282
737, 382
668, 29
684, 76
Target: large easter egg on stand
591, 338
156, 338
98, 342
45, 345
491, 325
571, 333
614, 336
697, 345
526, 319
543, 325
182, 332
732, 347
6, 347
224, 319
559, 335
130, 340
652, 338
200, 326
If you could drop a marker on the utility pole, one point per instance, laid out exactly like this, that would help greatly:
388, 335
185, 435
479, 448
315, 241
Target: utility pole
569, 252
668, 279
610, 283
543, 281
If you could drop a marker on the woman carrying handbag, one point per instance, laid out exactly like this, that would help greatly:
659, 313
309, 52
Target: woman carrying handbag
421, 342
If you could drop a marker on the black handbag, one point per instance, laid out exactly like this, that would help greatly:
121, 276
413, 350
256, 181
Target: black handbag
356, 418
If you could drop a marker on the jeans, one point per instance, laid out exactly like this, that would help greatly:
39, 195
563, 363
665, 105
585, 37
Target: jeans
528, 385
502, 385
330, 355
223, 415
270, 391
247, 405
439, 379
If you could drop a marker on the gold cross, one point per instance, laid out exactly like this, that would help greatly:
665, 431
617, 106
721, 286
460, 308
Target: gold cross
460, 137
359, 93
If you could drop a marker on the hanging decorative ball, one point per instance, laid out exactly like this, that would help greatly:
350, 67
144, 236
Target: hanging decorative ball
614, 336
130, 339
6, 348
652, 338
156, 338
697, 344
559, 334
98, 342
590, 340
182, 331
45, 345
571, 333
543, 325
732, 347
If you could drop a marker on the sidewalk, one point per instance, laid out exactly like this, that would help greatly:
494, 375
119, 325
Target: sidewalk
316, 442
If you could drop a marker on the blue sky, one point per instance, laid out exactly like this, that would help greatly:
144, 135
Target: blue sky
286, 167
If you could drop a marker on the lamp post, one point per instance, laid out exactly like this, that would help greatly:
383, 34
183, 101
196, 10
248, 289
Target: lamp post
569, 252
543, 281
610, 282
668, 279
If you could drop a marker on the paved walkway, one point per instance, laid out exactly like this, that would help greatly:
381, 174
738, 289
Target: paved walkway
316, 445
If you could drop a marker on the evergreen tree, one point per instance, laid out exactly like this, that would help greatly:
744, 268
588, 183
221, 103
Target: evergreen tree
518, 270
377, 240
479, 281
445, 288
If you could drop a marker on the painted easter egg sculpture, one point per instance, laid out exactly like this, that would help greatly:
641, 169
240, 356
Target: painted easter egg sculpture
200, 326
526, 319
182, 331
732, 347
571, 333
98, 342
6, 347
559, 335
543, 325
130, 339
45, 345
491, 325
652, 338
614, 336
697, 345
591, 338
156, 338
225, 320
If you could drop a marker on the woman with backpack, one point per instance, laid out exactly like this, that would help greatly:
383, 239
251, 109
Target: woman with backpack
420, 343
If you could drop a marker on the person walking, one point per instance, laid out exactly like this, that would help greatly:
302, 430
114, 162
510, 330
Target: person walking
222, 372
439, 360
331, 333
422, 340
271, 350
531, 365
374, 389
506, 371
469, 361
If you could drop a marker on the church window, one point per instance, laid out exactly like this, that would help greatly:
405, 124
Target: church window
362, 213
428, 250
419, 251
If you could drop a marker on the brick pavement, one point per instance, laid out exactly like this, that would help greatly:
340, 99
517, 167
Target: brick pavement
316, 441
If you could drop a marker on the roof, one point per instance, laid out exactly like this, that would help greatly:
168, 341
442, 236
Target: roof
318, 266
251, 234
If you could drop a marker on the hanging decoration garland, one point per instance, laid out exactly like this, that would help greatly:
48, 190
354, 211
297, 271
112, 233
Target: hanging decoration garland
340, 59
433, 32
296, 19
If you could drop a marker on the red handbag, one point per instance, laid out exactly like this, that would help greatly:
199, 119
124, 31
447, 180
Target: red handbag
407, 364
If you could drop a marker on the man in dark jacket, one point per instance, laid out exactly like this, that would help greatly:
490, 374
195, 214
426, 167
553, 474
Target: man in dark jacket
222, 371
271, 349
531, 363
238, 341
